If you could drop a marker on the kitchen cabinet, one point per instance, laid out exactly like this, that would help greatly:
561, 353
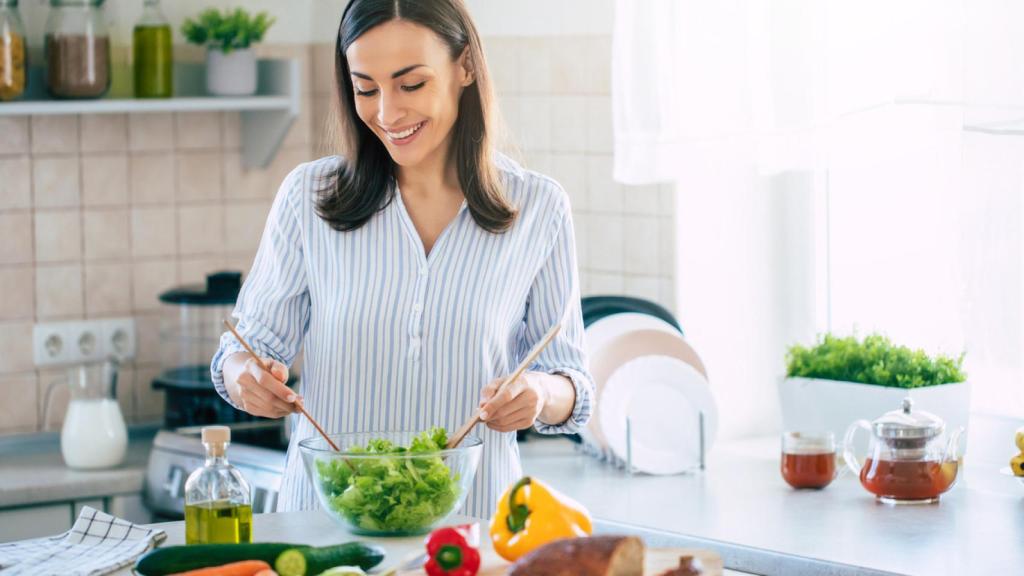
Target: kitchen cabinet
34, 521
54, 518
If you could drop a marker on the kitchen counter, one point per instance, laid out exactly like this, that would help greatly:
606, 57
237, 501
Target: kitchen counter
33, 471
741, 507
316, 528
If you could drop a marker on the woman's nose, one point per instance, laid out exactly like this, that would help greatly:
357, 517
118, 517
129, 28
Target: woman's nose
390, 111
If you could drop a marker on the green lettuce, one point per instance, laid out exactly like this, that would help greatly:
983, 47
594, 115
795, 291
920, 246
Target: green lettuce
391, 494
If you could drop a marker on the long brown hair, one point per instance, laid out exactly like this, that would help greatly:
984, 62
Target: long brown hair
365, 182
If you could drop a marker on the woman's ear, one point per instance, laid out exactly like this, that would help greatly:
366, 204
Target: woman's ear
466, 65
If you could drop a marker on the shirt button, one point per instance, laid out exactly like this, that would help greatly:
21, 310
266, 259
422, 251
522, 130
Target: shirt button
417, 308
423, 271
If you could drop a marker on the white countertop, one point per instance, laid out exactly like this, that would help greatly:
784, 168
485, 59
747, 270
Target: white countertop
741, 500
739, 506
32, 471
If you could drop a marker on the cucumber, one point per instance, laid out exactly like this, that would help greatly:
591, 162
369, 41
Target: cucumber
174, 559
306, 561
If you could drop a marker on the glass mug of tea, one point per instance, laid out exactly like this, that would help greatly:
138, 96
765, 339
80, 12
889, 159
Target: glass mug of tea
809, 459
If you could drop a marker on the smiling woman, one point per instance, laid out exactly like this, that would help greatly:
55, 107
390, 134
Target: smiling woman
413, 87
416, 268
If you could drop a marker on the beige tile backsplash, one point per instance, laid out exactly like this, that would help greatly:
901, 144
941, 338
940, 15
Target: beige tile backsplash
16, 175
104, 212
105, 179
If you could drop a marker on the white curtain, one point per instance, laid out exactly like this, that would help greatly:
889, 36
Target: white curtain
840, 165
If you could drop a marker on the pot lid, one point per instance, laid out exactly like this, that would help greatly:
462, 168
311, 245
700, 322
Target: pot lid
908, 423
221, 289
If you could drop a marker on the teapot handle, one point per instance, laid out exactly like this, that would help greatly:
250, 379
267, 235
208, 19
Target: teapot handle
848, 455
953, 444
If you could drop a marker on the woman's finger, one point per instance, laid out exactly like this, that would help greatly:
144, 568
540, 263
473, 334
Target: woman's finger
509, 392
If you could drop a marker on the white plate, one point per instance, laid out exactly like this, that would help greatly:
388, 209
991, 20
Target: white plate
608, 328
662, 397
623, 348
598, 335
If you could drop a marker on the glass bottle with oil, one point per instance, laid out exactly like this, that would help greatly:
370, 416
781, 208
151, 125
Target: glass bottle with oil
218, 505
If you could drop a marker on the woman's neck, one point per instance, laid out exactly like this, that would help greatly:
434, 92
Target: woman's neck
436, 176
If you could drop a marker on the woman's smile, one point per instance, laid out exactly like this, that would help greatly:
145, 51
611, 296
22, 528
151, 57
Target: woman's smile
403, 136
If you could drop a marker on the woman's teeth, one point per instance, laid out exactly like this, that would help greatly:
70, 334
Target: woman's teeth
404, 133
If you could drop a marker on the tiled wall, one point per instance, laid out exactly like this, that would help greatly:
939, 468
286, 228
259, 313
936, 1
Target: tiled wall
101, 213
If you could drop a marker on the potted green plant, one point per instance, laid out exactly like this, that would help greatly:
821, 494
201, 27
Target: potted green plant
228, 37
843, 379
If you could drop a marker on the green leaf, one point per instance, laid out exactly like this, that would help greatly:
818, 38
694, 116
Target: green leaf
875, 360
228, 30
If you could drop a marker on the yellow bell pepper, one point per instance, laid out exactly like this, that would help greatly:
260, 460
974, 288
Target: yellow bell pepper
531, 514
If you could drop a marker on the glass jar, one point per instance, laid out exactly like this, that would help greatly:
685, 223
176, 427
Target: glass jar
77, 48
13, 52
152, 56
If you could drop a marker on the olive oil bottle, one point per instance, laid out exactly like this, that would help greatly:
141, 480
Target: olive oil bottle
218, 505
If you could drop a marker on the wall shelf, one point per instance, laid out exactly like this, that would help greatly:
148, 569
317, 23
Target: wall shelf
265, 117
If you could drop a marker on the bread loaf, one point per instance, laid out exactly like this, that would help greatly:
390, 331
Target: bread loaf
590, 556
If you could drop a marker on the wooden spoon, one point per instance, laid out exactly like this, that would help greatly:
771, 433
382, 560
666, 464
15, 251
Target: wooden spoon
537, 349
298, 404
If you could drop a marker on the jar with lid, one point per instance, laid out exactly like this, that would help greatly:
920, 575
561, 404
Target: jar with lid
152, 57
13, 52
77, 49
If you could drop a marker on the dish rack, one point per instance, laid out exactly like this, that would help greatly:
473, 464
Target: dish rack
607, 455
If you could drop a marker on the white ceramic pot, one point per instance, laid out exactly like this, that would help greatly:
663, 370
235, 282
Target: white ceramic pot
820, 405
231, 74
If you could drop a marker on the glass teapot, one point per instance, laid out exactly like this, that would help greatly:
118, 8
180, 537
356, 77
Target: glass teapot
94, 434
907, 460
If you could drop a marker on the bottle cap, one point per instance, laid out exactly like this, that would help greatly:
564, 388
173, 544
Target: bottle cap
216, 434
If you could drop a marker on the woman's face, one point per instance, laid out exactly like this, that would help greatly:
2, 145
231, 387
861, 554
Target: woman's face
406, 88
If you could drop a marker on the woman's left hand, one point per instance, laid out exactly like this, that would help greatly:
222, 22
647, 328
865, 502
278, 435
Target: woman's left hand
517, 406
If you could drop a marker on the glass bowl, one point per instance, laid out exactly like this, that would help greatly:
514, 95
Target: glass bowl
389, 493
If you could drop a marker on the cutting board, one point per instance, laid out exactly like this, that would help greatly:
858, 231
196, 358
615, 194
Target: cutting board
656, 561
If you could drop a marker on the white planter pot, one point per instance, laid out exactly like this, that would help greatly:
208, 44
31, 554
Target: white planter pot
231, 74
820, 405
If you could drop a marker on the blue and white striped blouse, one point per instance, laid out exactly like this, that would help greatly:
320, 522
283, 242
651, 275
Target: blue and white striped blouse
398, 340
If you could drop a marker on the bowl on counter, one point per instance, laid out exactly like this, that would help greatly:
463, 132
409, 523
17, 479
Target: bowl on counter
389, 493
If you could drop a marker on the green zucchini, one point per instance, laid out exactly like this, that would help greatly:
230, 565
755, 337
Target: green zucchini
306, 561
174, 559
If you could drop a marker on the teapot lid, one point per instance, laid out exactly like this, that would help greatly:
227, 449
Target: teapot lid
907, 423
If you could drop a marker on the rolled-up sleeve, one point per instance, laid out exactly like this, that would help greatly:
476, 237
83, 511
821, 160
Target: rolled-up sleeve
272, 311
555, 297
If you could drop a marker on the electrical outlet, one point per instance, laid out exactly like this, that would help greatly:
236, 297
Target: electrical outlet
61, 343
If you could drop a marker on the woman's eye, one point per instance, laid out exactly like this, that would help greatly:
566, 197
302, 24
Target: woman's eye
365, 92
414, 87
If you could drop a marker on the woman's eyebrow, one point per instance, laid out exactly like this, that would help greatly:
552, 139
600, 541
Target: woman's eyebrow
396, 74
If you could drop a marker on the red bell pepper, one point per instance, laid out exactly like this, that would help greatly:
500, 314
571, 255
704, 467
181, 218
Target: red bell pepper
452, 551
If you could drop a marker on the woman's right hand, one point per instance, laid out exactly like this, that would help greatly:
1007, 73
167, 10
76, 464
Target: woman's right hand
257, 392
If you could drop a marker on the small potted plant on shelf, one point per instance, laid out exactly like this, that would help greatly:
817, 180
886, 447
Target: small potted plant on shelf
228, 36
839, 380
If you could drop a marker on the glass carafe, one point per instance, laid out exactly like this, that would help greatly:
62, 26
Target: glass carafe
908, 461
94, 434
218, 501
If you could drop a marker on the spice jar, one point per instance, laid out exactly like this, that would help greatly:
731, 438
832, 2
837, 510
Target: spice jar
77, 48
13, 53
151, 53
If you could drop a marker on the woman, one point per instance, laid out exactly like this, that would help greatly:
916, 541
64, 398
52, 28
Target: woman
417, 270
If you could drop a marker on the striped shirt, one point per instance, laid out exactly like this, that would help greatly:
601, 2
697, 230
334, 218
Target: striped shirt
394, 339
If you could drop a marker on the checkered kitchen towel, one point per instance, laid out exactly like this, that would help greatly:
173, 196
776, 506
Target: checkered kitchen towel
98, 543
